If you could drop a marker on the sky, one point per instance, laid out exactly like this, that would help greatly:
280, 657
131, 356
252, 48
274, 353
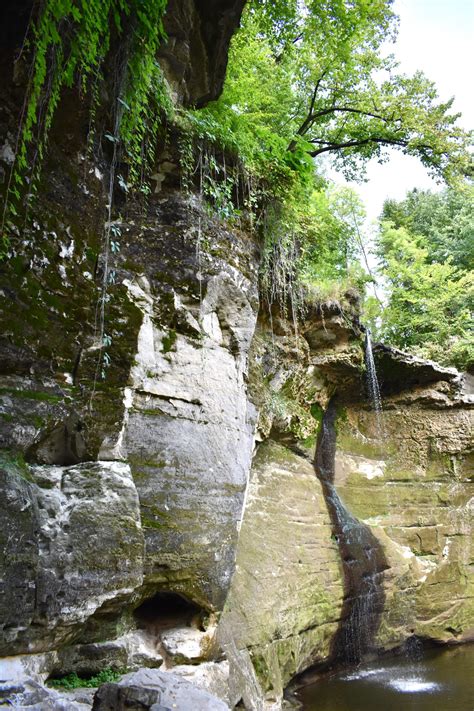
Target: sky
436, 36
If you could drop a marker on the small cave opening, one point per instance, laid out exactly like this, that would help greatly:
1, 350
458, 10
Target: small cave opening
167, 610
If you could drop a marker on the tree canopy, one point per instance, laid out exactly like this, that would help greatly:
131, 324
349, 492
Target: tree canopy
314, 77
445, 219
426, 256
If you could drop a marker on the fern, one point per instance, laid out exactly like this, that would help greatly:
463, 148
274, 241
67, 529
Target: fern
70, 42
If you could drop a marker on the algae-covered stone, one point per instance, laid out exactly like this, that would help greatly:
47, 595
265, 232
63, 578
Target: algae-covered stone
19, 554
416, 493
286, 594
74, 546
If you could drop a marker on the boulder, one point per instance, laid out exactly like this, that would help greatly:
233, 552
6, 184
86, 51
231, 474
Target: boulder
133, 650
213, 677
153, 689
29, 695
186, 645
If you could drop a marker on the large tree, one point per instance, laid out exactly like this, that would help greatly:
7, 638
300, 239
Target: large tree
317, 75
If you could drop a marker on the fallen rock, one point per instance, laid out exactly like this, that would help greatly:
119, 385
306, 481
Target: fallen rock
131, 651
185, 645
213, 677
155, 690
30, 695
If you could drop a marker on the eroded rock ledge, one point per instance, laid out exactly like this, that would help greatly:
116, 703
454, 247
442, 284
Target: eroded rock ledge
173, 520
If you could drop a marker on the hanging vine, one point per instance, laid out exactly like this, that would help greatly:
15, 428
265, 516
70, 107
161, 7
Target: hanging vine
70, 42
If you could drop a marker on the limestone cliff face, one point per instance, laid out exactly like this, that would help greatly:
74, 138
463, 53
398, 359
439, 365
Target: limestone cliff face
408, 481
287, 591
413, 486
125, 480
165, 510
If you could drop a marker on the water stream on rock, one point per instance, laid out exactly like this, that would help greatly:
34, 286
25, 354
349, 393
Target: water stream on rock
373, 383
361, 553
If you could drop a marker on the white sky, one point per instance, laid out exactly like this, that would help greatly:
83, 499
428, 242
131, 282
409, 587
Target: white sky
436, 36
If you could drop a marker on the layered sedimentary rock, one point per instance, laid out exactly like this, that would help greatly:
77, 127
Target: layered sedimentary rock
286, 595
406, 480
71, 542
413, 487
183, 423
170, 491
170, 415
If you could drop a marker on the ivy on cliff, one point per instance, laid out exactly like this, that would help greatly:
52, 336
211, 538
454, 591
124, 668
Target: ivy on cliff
304, 80
69, 42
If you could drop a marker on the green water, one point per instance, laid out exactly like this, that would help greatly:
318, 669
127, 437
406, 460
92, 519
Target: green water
439, 681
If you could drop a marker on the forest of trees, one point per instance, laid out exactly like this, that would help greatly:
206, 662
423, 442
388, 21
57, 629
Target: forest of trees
426, 248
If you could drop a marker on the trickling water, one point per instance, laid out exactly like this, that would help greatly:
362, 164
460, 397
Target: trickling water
372, 382
361, 553
199, 227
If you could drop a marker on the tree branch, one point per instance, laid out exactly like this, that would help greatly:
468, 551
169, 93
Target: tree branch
313, 116
308, 120
356, 143
350, 110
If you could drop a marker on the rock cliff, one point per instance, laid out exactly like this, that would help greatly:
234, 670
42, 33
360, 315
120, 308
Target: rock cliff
167, 512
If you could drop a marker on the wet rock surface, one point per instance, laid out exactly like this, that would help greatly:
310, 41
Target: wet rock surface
155, 690
194, 57
73, 543
121, 486
413, 487
285, 554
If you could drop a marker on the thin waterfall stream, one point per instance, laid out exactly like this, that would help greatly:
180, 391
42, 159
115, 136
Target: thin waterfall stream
361, 553
373, 387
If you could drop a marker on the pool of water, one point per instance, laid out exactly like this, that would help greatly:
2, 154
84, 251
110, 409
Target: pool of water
438, 681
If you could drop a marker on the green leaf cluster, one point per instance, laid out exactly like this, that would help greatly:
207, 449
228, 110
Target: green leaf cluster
70, 42
445, 219
311, 78
425, 251
73, 681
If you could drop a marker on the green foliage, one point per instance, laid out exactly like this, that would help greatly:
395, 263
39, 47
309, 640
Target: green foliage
309, 78
430, 297
445, 219
169, 340
73, 681
332, 229
14, 462
305, 78
70, 41
312, 247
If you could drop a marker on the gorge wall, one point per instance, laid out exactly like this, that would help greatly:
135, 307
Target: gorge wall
169, 513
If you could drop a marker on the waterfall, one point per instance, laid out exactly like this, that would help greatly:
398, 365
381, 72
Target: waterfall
373, 383
361, 553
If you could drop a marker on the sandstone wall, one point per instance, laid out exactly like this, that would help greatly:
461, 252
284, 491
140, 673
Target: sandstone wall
184, 468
